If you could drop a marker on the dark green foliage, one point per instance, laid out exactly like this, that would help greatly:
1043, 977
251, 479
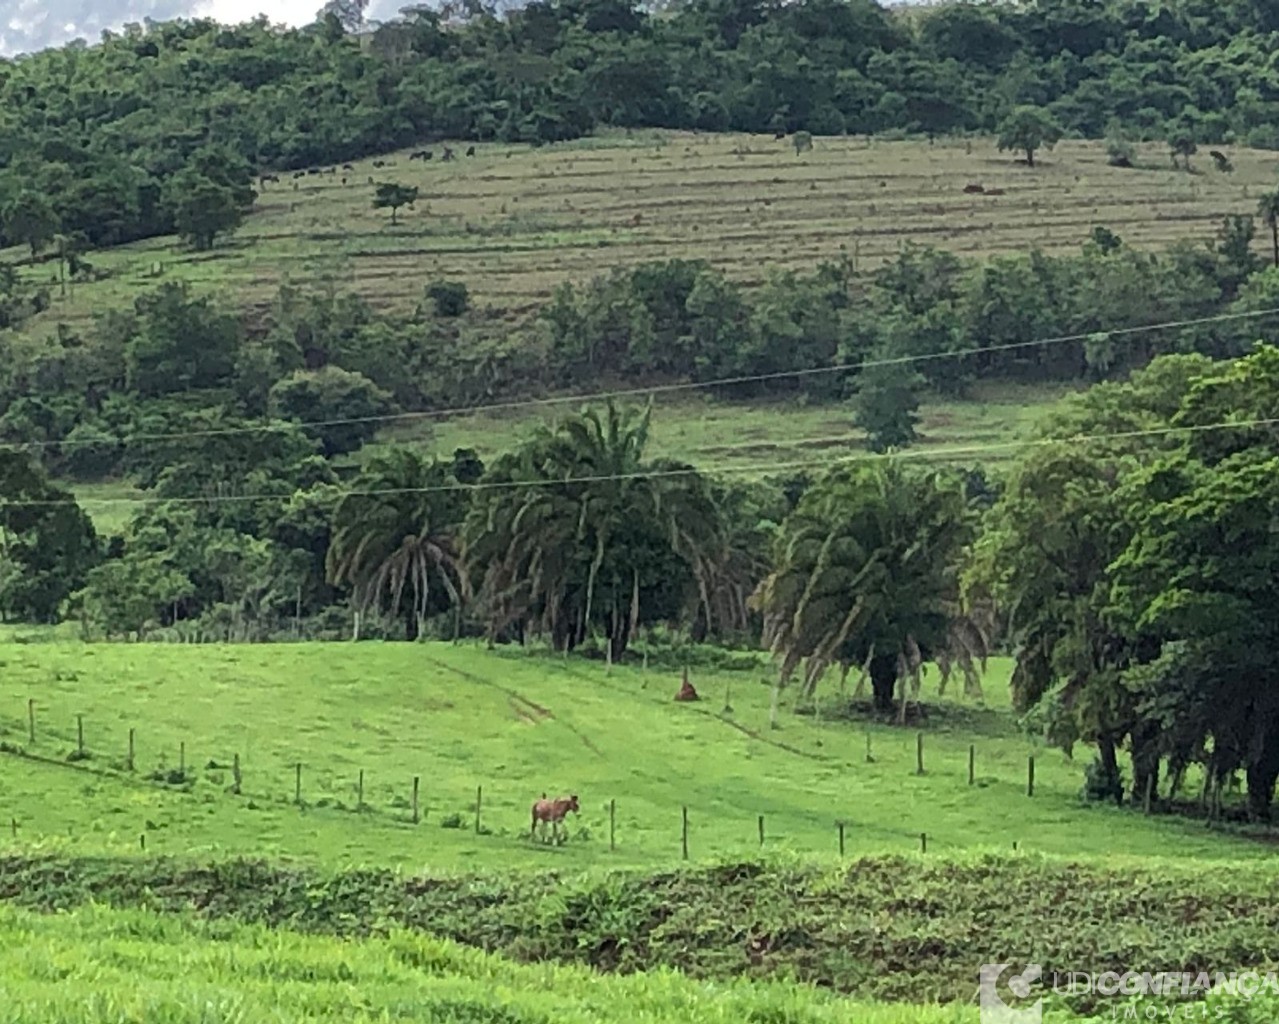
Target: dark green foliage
451, 298
338, 408
886, 405
47, 543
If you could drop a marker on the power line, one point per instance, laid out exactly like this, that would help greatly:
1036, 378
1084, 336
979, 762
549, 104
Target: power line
636, 392
769, 467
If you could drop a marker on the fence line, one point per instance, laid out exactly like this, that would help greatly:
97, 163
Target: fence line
81, 758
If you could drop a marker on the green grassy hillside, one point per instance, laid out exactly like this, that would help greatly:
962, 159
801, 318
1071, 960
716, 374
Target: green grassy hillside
515, 222
517, 725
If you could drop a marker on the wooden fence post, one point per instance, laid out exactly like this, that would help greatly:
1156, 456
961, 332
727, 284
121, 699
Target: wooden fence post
923, 842
236, 778
869, 758
297, 784
416, 781
612, 825
79, 734
684, 833
841, 838
182, 758
131, 762
13, 822
359, 798
1030, 775
972, 763
31, 720
761, 830
142, 841
479, 799
919, 753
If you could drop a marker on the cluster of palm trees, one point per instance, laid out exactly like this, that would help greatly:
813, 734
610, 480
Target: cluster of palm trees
573, 533
577, 534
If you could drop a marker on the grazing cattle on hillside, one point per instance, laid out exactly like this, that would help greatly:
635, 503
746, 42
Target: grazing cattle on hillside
447, 154
347, 167
470, 151
974, 189
554, 812
779, 135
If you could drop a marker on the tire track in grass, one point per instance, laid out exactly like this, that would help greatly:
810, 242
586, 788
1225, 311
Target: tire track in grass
745, 730
517, 697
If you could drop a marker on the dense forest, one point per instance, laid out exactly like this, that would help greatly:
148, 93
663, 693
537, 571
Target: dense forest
163, 127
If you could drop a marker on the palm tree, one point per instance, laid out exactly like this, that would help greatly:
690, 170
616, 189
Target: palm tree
576, 529
1268, 211
394, 535
861, 575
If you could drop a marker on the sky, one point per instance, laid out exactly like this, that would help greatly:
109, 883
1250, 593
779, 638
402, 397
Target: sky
27, 25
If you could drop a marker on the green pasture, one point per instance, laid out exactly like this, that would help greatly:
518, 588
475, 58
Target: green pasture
514, 725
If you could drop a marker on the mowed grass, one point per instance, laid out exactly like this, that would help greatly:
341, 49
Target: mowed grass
990, 426
514, 222
98, 965
518, 725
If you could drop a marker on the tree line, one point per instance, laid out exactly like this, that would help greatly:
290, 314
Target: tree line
1126, 560
176, 362
162, 127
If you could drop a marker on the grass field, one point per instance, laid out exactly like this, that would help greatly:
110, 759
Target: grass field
97, 965
514, 222
516, 725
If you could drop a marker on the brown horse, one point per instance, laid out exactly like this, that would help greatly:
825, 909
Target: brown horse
554, 811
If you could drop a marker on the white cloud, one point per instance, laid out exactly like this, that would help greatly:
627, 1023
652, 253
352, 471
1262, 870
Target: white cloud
286, 12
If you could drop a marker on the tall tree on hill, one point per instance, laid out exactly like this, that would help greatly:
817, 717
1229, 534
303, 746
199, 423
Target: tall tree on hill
1029, 129
576, 530
31, 220
392, 196
1268, 211
395, 540
860, 573
203, 209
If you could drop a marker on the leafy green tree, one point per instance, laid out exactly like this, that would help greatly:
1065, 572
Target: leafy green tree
31, 220
203, 209
179, 343
46, 540
396, 540
1181, 142
338, 408
886, 405
1268, 211
1028, 129
392, 196
859, 574
577, 530
125, 595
